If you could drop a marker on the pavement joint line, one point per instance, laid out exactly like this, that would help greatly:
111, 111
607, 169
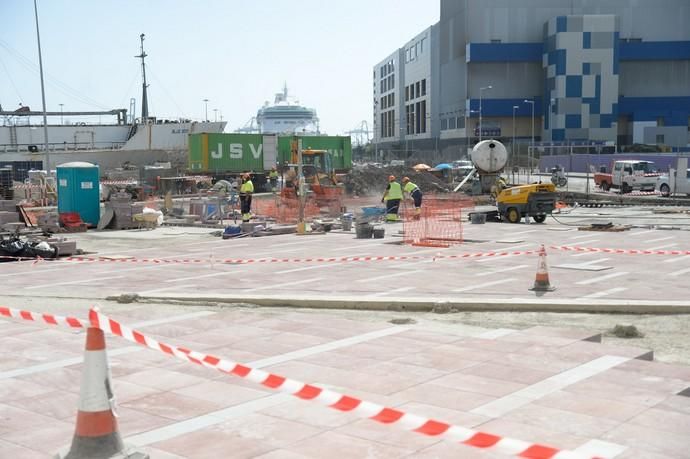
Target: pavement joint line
389, 292
536, 391
660, 239
285, 284
681, 272
83, 281
306, 268
665, 246
359, 246
139, 268
486, 284
589, 241
523, 232
389, 276
120, 351
642, 233
502, 270
497, 333
601, 278
203, 276
585, 236
32, 272
603, 293
676, 259
250, 407
583, 254
207, 420
602, 448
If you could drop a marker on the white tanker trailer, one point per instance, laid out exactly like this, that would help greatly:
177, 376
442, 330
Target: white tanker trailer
489, 158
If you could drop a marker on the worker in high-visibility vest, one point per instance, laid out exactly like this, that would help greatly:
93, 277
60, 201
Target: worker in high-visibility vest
273, 178
246, 191
415, 193
392, 197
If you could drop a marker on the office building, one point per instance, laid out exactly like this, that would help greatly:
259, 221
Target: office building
613, 72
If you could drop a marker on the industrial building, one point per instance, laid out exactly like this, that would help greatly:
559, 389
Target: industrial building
552, 72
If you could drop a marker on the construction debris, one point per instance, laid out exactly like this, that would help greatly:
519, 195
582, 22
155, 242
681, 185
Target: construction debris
605, 227
626, 331
371, 180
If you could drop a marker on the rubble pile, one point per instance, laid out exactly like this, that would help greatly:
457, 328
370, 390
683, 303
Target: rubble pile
371, 180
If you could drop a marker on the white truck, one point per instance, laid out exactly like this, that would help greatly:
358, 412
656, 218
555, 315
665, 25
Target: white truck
628, 175
677, 181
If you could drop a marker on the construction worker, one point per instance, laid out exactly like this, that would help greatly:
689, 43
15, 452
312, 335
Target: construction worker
415, 193
246, 191
273, 178
392, 197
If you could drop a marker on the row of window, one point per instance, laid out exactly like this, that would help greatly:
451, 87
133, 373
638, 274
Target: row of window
387, 68
414, 51
388, 123
415, 90
416, 117
387, 101
388, 83
455, 122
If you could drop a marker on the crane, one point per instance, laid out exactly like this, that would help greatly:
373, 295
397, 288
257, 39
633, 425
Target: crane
361, 134
250, 127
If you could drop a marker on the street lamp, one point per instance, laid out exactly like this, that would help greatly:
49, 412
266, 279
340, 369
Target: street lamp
512, 144
215, 114
480, 109
206, 110
61, 122
529, 161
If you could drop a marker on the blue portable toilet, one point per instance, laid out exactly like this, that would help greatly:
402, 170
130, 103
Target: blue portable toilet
78, 190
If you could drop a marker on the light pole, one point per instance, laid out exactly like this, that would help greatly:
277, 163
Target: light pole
512, 144
480, 109
529, 162
43, 91
61, 121
215, 114
206, 110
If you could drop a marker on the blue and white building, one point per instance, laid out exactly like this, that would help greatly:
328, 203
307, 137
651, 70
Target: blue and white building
611, 72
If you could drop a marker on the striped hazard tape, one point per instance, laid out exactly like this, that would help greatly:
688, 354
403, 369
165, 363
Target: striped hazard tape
242, 261
619, 251
49, 319
341, 402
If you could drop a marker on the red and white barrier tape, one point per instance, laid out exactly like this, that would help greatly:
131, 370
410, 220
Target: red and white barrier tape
243, 261
119, 182
339, 401
619, 251
49, 319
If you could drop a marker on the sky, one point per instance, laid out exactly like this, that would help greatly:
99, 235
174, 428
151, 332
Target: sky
237, 54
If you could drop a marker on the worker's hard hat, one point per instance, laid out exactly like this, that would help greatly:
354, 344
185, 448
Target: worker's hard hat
406, 179
391, 178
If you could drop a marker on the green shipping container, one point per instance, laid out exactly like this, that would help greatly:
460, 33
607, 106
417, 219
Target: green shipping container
235, 153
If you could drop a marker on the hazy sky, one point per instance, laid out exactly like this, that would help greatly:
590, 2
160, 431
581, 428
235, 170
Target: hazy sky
235, 53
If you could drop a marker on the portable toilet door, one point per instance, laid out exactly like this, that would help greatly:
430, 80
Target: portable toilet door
78, 190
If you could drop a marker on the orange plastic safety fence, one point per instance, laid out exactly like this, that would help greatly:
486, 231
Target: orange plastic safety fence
283, 209
438, 223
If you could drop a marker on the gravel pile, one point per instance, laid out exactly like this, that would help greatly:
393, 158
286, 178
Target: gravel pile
370, 180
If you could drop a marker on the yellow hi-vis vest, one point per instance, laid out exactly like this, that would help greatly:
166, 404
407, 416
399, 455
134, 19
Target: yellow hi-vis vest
394, 191
247, 187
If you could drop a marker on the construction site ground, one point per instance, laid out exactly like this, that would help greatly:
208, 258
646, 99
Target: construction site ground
426, 330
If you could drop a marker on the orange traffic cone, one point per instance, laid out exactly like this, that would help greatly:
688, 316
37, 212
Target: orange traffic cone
541, 281
96, 435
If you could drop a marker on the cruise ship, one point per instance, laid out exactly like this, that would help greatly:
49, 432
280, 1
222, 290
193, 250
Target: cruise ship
287, 116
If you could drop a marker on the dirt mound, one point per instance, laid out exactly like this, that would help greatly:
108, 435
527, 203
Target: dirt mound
371, 180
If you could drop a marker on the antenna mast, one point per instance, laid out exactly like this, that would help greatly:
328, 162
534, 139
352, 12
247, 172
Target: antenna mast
144, 97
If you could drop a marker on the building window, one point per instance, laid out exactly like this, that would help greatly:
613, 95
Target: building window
660, 121
451, 123
424, 87
659, 139
495, 40
417, 90
407, 93
444, 124
421, 45
422, 117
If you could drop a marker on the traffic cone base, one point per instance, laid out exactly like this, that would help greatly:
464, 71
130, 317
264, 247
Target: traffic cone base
96, 435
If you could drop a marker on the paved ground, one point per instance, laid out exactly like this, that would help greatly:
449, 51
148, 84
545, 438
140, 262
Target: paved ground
540, 384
